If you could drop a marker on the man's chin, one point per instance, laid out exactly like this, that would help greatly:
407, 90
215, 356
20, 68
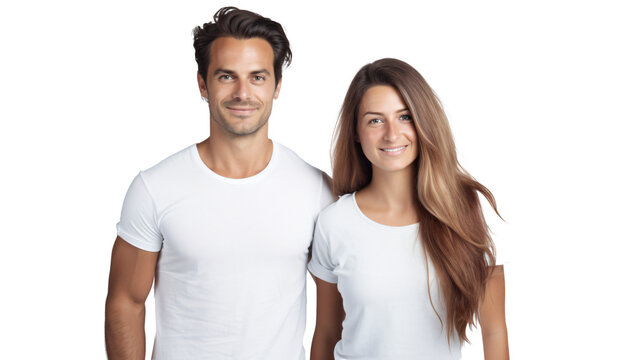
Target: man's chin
244, 130
241, 125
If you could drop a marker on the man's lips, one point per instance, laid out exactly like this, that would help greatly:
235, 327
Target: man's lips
241, 110
241, 107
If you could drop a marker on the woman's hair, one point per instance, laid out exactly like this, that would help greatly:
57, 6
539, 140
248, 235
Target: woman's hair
453, 230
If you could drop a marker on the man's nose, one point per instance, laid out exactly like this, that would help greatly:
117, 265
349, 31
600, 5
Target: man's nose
241, 90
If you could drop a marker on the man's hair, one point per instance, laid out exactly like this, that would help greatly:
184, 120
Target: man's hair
241, 24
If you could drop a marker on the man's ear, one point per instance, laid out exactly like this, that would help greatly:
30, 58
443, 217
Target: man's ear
276, 95
203, 88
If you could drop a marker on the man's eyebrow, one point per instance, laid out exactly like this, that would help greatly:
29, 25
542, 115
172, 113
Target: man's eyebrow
229, 72
262, 71
223, 71
380, 114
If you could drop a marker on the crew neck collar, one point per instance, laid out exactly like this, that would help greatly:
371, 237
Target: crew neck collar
276, 149
375, 223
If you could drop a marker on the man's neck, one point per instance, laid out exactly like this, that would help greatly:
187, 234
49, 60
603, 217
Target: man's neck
236, 157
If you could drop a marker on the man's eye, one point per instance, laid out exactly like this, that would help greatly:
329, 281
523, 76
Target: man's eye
225, 77
406, 117
259, 78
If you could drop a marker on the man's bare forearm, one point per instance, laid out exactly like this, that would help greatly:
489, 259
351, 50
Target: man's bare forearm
124, 330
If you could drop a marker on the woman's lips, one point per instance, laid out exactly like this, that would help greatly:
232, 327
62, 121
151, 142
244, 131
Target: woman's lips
394, 150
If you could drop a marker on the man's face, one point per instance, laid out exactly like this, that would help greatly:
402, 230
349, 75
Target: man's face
240, 84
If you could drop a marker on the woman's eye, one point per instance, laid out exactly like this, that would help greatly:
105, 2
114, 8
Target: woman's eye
406, 117
375, 121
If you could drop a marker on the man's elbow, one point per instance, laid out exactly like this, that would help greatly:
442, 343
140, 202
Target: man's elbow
122, 306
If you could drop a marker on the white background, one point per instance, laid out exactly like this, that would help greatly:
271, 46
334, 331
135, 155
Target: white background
544, 99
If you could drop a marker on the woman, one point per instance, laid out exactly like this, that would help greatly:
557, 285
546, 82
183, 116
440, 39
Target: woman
403, 261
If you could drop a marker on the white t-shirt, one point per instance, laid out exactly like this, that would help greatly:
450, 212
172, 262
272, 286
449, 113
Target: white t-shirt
380, 272
231, 274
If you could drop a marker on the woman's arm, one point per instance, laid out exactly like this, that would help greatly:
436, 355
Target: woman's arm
328, 326
492, 317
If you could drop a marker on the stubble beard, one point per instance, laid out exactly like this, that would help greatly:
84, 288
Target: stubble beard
222, 121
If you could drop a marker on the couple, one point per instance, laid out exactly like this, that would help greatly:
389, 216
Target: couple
403, 261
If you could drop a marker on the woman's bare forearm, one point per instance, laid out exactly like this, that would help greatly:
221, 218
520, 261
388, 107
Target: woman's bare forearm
496, 345
492, 318
328, 327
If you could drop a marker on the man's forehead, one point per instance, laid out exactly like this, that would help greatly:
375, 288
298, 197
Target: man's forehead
253, 54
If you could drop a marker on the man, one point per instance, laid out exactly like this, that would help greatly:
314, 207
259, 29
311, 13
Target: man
223, 226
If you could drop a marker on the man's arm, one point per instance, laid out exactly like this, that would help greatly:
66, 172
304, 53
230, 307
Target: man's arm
492, 317
130, 280
328, 325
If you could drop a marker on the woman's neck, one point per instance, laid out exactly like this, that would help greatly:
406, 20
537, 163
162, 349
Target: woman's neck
390, 197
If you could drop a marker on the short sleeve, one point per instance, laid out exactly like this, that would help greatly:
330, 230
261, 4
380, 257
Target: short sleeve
321, 264
325, 195
138, 225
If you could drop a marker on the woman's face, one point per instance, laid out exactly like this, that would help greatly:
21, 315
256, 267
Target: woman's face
385, 129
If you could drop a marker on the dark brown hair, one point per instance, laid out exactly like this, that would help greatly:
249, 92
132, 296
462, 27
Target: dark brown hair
241, 24
453, 231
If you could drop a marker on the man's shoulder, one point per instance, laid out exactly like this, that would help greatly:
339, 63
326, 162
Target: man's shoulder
171, 165
295, 163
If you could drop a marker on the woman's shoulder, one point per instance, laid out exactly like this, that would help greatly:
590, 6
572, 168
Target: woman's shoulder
339, 210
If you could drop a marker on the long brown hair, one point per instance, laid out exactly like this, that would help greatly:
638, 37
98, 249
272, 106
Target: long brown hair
453, 231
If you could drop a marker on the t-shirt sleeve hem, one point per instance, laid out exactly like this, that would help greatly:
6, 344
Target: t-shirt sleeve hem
322, 273
134, 241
